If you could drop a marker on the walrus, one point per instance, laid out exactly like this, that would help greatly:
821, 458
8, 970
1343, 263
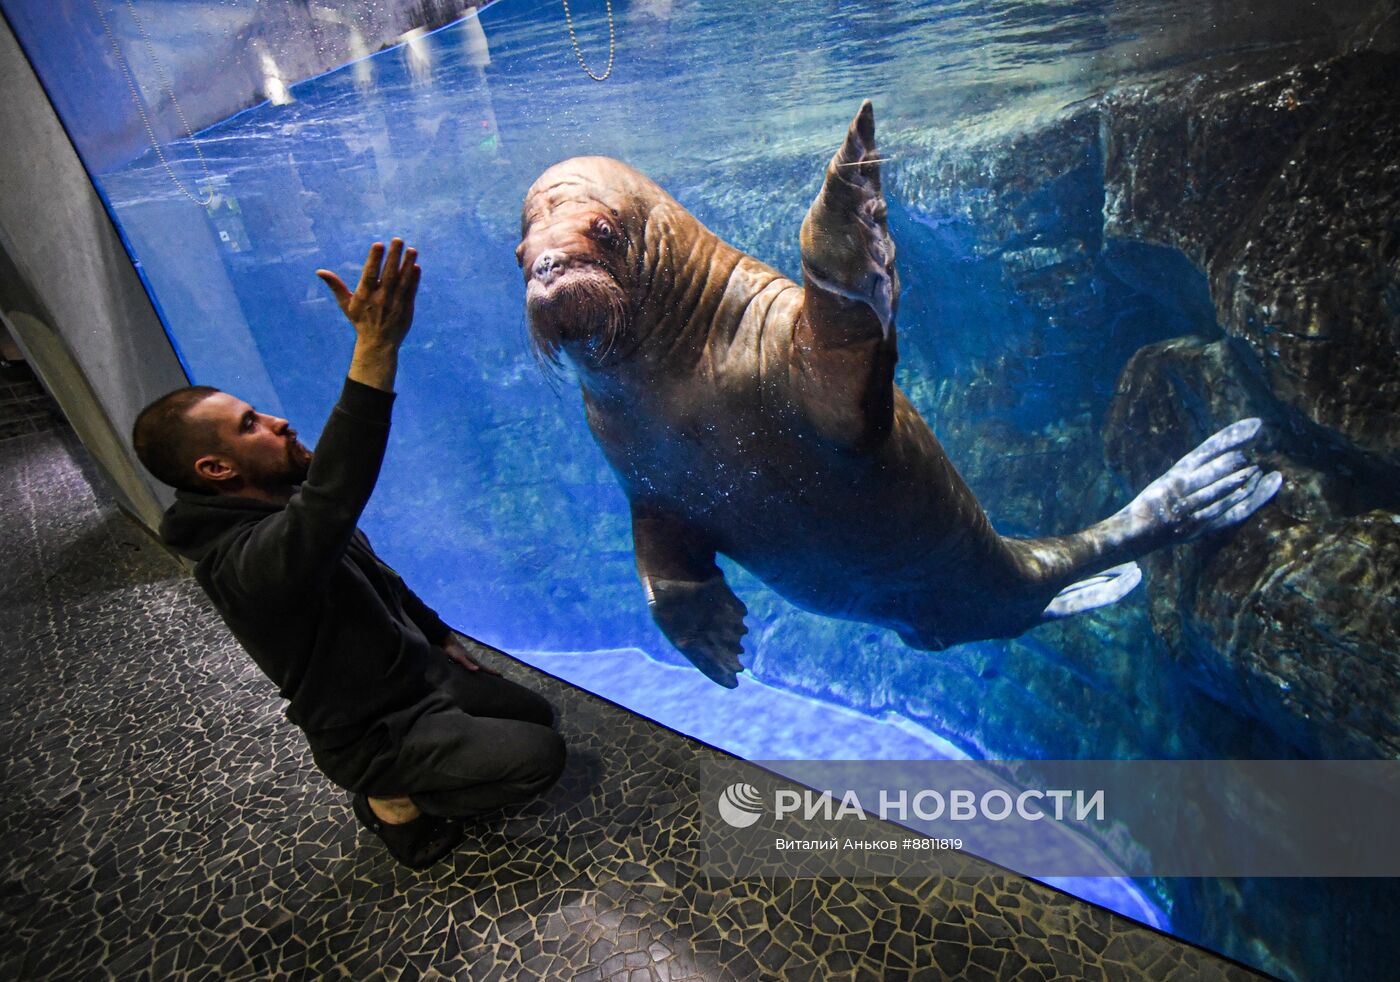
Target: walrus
748, 416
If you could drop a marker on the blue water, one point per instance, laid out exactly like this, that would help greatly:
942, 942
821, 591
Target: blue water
494, 501
527, 540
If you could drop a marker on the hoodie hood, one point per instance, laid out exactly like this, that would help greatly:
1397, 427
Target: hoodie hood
196, 521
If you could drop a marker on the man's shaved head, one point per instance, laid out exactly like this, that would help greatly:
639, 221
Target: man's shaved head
168, 442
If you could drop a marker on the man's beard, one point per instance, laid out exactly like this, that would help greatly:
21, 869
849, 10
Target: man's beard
298, 463
290, 471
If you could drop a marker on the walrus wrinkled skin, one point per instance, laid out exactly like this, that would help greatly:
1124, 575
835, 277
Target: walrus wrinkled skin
750, 416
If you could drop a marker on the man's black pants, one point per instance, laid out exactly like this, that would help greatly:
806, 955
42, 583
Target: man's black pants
483, 743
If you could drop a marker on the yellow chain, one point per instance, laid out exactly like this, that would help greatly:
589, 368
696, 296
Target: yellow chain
573, 39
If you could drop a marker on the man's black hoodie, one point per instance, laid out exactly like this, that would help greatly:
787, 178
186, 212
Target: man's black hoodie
347, 643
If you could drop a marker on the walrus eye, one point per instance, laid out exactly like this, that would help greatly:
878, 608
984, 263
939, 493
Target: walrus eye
603, 231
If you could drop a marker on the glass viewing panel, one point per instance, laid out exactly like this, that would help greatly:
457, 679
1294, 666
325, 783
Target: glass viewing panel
1016, 319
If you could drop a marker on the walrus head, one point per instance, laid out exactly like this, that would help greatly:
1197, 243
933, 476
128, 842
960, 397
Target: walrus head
582, 251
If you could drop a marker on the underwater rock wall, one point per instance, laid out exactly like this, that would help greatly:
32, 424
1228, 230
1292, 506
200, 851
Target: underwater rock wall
1294, 617
1262, 217
1244, 260
1286, 193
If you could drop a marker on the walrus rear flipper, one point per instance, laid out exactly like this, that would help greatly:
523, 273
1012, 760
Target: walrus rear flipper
845, 336
1096, 591
687, 595
1210, 489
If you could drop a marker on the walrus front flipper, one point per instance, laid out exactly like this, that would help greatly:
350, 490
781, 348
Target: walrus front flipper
688, 597
845, 337
847, 252
704, 621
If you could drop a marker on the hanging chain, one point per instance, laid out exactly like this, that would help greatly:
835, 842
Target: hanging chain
141, 110
573, 39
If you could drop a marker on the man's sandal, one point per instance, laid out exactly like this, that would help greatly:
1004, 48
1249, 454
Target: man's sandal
417, 844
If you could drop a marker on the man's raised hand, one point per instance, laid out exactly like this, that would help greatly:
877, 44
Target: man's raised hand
380, 309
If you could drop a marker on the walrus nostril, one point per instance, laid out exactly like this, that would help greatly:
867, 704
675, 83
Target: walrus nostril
547, 266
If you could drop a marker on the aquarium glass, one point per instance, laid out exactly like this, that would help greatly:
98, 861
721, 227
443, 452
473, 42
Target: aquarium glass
240, 146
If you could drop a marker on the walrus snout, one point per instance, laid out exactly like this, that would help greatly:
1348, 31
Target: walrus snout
570, 303
548, 266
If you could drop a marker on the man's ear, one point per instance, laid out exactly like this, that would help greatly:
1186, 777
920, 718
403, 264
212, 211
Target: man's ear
215, 469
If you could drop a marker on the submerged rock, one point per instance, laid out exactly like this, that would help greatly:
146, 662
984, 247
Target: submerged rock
1295, 617
1285, 193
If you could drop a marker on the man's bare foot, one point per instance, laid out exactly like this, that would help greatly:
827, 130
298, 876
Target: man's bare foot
394, 811
418, 841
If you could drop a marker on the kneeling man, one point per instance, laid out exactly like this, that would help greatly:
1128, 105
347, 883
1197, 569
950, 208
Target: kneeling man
393, 706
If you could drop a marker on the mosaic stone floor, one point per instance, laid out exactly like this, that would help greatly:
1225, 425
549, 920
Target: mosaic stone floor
161, 819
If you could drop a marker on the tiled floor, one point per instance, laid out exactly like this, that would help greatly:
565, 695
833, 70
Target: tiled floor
24, 408
161, 819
